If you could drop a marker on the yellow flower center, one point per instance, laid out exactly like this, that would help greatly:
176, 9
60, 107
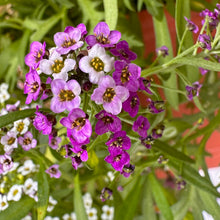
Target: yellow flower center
57, 66
109, 95
66, 95
97, 64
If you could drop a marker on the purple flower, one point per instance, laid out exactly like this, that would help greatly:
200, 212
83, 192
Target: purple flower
41, 123
74, 141
155, 106
147, 142
32, 86
144, 84
54, 171
191, 25
27, 142
127, 170
107, 122
81, 152
141, 125
118, 158
205, 41
119, 140
193, 90
162, 51
37, 51
76, 162
80, 26
157, 132
68, 41
212, 18
106, 194
78, 124
96, 63
123, 52
54, 141
66, 95
127, 75
110, 95
13, 107
9, 141
203, 71
131, 105
6, 163
103, 36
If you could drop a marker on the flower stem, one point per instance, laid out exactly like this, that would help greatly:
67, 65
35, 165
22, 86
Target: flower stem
182, 41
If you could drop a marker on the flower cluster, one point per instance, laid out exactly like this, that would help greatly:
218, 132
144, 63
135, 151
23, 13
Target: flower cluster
70, 75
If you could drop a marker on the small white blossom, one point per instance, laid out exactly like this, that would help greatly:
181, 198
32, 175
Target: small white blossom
4, 95
51, 218
15, 193
3, 202
71, 216
28, 217
9, 141
92, 214
3, 87
207, 216
87, 200
110, 175
30, 187
108, 213
27, 168
21, 126
52, 202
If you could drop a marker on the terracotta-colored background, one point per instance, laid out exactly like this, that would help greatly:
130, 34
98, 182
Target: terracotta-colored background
213, 144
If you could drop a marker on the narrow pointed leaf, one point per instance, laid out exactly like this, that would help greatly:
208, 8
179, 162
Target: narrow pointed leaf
111, 13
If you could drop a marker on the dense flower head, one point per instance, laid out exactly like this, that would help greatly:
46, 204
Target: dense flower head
193, 90
103, 36
191, 25
107, 122
110, 95
37, 51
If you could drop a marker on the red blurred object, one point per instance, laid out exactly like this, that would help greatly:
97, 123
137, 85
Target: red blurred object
213, 144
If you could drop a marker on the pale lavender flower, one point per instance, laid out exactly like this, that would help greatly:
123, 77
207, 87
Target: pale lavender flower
54, 171
9, 141
6, 163
110, 95
212, 18
68, 41
54, 141
193, 90
32, 86
191, 25
123, 52
37, 51
103, 36
13, 107
27, 142
57, 66
205, 41
66, 95
162, 51
141, 125
80, 26
96, 63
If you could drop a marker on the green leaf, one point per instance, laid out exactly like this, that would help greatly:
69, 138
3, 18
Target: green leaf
198, 62
78, 201
43, 192
163, 38
18, 210
111, 13
171, 152
129, 5
154, 8
14, 116
160, 197
191, 175
131, 202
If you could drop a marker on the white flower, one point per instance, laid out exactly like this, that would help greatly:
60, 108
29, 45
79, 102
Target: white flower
51, 218
72, 216
108, 213
207, 216
3, 202
9, 141
28, 217
3, 112
92, 214
30, 187
14, 167
110, 175
87, 200
4, 95
96, 63
27, 168
21, 126
15, 193
56, 66
52, 202
3, 87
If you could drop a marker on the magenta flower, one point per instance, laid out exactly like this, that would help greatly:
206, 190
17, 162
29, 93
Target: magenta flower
155, 106
205, 41
41, 123
157, 132
76, 162
193, 90
9, 141
213, 18
107, 122
68, 41
13, 107
27, 142
54, 141
127, 170
103, 36
78, 124
191, 25
131, 105
66, 95
122, 52
110, 95
141, 125
144, 84
147, 142
119, 140
118, 158
37, 51
54, 171
80, 152
73, 140
32, 86
162, 51
80, 26
127, 75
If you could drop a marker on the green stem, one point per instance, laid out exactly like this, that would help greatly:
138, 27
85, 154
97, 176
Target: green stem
86, 101
183, 77
182, 41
